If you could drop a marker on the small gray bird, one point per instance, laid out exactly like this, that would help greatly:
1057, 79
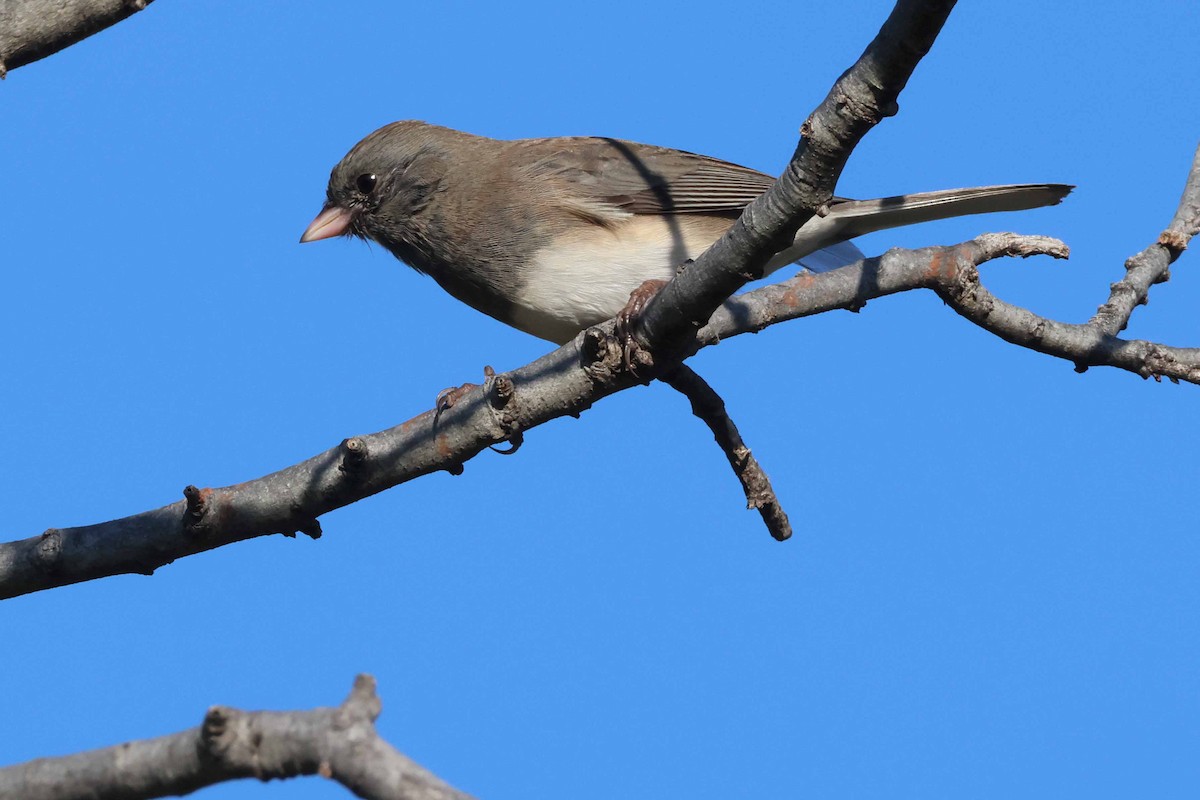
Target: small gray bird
552, 235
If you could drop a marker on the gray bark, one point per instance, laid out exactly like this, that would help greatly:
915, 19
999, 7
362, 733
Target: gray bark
33, 29
340, 744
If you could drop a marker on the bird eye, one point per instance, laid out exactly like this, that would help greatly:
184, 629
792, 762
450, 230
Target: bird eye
365, 183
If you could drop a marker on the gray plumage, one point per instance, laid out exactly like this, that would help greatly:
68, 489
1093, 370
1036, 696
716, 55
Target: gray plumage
551, 235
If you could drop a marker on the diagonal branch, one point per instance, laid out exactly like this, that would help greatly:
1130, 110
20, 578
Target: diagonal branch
862, 97
1153, 264
336, 743
710, 408
33, 29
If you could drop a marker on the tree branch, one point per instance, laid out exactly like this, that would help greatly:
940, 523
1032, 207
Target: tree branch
567, 381
710, 408
33, 29
336, 743
572, 378
952, 272
1152, 265
863, 96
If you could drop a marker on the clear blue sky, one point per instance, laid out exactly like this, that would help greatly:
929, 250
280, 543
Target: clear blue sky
993, 589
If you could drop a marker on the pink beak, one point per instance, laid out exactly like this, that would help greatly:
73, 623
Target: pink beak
332, 221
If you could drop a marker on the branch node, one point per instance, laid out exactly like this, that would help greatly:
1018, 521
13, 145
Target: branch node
593, 346
455, 469
354, 453
303, 523
213, 729
500, 391
599, 354
1174, 241
363, 700
48, 553
199, 501
1081, 367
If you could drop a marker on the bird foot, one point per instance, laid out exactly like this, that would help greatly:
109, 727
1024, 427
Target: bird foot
446, 398
633, 355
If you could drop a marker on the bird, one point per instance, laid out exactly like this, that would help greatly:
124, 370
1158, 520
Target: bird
552, 235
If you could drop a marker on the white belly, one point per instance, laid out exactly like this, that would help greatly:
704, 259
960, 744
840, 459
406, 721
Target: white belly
586, 278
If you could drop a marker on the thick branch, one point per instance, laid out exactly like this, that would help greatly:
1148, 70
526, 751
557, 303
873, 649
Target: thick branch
337, 743
863, 96
710, 408
33, 29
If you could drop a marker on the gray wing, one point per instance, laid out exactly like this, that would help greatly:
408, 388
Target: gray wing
639, 178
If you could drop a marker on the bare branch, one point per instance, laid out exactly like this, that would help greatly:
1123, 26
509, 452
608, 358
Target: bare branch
566, 381
863, 96
953, 273
593, 366
1152, 265
1087, 345
33, 29
336, 743
710, 408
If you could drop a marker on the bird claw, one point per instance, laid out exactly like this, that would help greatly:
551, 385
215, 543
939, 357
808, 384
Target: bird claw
633, 355
447, 398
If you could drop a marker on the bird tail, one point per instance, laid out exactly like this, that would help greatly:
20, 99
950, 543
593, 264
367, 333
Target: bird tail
822, 245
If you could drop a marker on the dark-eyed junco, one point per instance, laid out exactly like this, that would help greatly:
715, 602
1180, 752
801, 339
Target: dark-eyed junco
551, 235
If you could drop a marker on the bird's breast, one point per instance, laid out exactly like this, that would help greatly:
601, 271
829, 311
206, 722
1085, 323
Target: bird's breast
584, 276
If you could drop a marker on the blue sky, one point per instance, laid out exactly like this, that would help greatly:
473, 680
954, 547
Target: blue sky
992, 590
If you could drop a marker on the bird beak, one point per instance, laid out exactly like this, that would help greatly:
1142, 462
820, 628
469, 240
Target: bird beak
332, 221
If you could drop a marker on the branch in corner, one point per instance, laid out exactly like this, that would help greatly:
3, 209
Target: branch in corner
33, 29
336, 743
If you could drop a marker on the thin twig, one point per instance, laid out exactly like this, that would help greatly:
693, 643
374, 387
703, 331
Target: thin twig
710, 408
